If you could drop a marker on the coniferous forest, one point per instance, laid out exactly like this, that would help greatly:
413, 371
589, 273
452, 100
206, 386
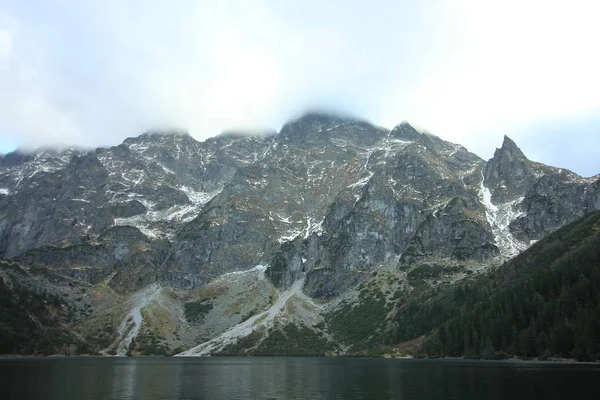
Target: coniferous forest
544, 303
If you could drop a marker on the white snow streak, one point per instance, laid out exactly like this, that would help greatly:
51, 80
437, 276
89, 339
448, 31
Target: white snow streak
290, 235
313, 228
179, 213
499, 217
236, 274
360, 183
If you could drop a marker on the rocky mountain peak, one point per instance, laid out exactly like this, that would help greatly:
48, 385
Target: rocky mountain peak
157, 137
321, 117
165, 132
243, 133
509, 150
509, 173
322, 127
312, 119
405, 131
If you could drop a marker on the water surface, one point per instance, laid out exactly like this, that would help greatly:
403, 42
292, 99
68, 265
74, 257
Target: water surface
291, 378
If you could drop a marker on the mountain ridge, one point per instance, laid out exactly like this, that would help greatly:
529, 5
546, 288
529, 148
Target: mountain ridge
150, 231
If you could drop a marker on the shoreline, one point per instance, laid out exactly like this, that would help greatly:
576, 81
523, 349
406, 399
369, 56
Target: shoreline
552, 361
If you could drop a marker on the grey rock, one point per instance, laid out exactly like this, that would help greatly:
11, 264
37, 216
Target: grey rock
329, 198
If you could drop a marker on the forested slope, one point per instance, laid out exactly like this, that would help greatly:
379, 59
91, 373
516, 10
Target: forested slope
33, 320
543, 303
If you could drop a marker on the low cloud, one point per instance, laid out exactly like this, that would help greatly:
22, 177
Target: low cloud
92, 73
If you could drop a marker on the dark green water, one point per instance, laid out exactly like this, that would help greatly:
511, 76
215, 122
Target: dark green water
291, 378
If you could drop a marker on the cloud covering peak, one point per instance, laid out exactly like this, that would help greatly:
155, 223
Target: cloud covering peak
92, 73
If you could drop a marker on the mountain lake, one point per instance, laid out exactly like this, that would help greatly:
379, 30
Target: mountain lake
291, 378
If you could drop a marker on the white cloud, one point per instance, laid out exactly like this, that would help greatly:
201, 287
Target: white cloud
94, 72
24, 108
5, 46
509, 64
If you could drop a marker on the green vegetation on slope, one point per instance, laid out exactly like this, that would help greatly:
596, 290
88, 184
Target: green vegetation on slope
543, 303
148, 343
360, 325
293, 340
33, 323
290, 340
196, 310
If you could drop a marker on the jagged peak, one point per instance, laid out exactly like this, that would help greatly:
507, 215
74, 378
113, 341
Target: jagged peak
321, 119
509, 148
404, 125
322, 124
404, 130
158, 136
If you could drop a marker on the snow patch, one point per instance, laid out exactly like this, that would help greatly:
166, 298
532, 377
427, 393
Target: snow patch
285, 220
313, 228
360, 183
439, 206
393, 184
178, 213
4, 191
167, 170
259, 269
391, 145
456, 148
290, 235
499, 217
199, 197
139, 147
307, 230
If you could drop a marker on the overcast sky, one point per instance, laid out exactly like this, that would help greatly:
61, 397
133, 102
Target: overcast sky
94, 72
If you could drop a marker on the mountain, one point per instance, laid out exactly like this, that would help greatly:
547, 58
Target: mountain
165, 244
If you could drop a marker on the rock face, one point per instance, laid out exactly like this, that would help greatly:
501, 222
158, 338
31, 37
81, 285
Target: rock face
510, 173
325, 202
533, 199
